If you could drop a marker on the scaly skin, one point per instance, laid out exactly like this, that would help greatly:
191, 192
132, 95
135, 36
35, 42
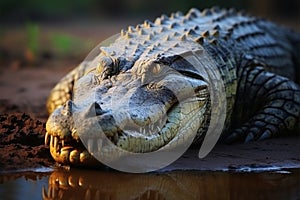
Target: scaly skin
256, 59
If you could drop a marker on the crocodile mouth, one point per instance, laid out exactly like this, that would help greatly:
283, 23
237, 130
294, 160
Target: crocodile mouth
155, 118
181, 121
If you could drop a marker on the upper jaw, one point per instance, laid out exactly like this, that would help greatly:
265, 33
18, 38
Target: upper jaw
60, 122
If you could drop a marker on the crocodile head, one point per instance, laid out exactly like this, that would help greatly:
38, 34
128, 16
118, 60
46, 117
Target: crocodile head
139, 110
145, 91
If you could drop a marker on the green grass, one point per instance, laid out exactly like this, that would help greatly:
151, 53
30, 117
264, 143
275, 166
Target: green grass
32, 36
62, 44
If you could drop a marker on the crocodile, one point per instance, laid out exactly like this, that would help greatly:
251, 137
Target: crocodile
146, 69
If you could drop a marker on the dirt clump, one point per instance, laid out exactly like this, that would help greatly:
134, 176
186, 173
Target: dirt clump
22, 142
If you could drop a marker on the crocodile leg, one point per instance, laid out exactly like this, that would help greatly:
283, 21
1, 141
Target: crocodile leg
267, 105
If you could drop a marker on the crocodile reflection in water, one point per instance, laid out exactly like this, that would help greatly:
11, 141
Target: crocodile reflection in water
81, 184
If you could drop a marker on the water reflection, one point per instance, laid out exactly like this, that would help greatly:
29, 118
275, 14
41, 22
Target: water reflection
79, 184
91, 184
22, 185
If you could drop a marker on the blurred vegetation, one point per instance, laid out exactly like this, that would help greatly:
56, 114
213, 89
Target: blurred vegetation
13, 10
54, 9
32, 38
30, 43
64, 44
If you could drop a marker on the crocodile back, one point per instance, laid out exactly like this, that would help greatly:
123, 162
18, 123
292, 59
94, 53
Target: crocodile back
265, 42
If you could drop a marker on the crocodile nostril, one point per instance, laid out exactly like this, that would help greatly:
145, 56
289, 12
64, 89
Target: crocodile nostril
67, 108
98, 109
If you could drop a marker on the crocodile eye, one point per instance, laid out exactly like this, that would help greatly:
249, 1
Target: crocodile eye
99, 68
104, 62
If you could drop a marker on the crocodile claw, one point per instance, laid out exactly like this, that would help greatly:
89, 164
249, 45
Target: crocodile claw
267, 134
250, 137
236, 136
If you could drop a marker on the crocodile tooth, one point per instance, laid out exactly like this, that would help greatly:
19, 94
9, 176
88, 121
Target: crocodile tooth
88, 194
84, 156
144, 131
51, 140
47, 138
90, 145
99, 145
141, 130
116, 138
148, 194
151, 127
55, 142
73, 181
62, 142
66, 148
161, 122
45, 195
156, 197
74, 156
74, 133
97, 194
159, 129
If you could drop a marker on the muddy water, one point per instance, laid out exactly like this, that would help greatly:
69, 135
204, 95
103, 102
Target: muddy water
90, 184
